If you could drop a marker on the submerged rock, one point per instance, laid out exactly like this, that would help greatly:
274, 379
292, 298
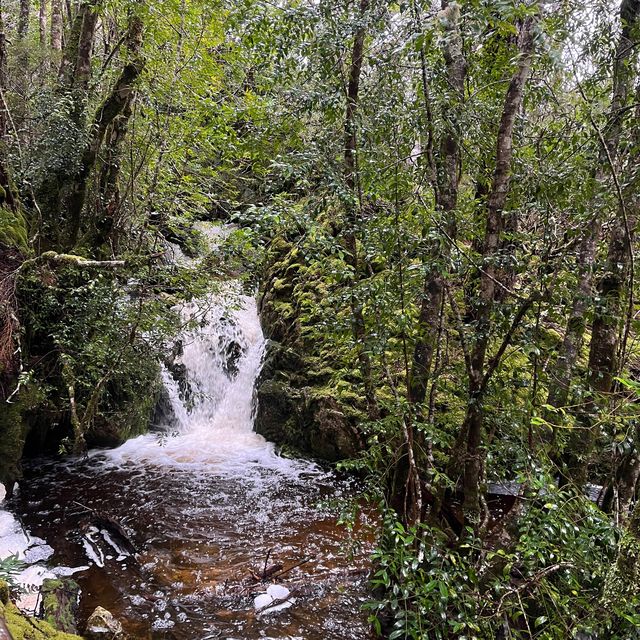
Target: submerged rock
102, 624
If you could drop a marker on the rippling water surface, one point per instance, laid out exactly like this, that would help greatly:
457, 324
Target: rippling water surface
199, 536
206, 502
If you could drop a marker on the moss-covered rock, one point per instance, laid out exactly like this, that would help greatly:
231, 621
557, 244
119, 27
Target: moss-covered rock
60, 603
304, 402
102, 624
22, 627
14, 428
13, 228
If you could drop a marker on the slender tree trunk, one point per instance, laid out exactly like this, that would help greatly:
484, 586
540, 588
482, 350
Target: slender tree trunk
353, 204
603, 362
571, 347
23, 19
109, 193
56, 25
472, 427
115, 106
59, 191
75, 68
8, 197
42, 23
446, 189
4, 116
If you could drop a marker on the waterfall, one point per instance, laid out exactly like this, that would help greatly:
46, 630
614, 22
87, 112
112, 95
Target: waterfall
210, 391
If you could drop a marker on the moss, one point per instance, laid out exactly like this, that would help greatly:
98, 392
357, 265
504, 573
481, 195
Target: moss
306, 403
14, 427
13, 229
59, 603
4, 592
126, 410
22, 627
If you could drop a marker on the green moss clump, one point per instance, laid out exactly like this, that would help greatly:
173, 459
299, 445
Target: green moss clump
14, 427
22, 627
60, 602
4, 592
13, 228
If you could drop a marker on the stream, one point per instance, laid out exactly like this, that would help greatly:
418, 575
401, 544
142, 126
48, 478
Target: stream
205, 501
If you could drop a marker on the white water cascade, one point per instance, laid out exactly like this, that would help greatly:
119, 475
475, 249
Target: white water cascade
205, 500
211, 389
212, 402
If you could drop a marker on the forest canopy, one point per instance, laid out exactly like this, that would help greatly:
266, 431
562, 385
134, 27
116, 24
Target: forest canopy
438, 204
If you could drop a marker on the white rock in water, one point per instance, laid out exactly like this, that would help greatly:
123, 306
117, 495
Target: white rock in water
263, 600
3, 492
275, 592
278, 592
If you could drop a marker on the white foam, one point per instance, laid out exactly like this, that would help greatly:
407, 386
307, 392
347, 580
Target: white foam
215, 421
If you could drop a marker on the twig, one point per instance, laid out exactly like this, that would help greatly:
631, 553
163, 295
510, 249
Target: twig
266, 560
275, 603
295, 566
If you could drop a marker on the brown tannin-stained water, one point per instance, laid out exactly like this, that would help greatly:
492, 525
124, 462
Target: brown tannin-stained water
205, 502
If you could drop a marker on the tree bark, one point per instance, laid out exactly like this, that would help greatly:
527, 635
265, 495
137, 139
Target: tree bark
446, 190
472, 427
115, 105
571, 347
56, 25
8, 198
76, 59
353, 203
42, 23
23, 19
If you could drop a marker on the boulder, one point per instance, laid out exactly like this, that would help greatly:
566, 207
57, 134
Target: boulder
60, 603
101, 624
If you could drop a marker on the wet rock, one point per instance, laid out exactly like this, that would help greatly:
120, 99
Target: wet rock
305, 400
333, 436
277, 417
276, 595
102, 624
60, 603
163, 414
233, 351
301, 419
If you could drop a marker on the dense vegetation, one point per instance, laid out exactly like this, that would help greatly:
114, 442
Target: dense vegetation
441, 201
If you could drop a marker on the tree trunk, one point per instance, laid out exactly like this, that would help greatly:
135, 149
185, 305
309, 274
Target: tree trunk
8, 198
23, 19
603, 362
472, 426
76, 59
42, 23
4, 116
571, 347
446, 189
624, 73
115, 105
353, 204
56, 25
